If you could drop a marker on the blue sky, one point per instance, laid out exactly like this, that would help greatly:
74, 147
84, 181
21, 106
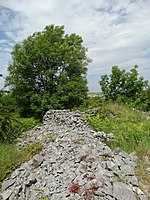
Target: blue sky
116, 32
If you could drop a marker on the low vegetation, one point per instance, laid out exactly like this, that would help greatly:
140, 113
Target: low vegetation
130, 127
11, 157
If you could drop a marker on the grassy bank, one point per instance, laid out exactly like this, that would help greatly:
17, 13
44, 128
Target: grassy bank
130, 127
10, 156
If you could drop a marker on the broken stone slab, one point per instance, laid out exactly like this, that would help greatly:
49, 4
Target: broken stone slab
146, 160
37, 160
122, 191
148, 170
6, 194
6, 184
127, 170
133, 180
31, 180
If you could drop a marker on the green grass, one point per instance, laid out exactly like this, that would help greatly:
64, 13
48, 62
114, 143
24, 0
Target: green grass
131, 128
11, 157
28, 123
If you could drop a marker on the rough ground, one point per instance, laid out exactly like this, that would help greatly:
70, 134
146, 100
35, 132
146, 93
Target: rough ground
77, 165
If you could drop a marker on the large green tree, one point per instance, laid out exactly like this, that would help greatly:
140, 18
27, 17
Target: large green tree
122, 85
48, 70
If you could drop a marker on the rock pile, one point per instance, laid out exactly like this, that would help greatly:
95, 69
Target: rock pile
77, 166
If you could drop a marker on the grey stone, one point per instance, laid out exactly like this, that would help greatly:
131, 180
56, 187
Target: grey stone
6, 184
107, 188
121, 191
133, 157
143, 197
6, 194
146, 160
110, 165
133, 180
31, 180
127, 170
37, 160
148, 170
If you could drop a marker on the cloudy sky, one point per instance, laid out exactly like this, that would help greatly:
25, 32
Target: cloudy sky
116, 32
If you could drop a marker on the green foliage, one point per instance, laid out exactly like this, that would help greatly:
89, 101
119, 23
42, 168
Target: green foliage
28, 123
34, 148
45, 198
48, 70
122, 86
90, 103
131, 128
10, 127
9, 159
143, 100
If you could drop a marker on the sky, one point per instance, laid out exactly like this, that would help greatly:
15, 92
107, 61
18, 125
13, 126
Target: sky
116, 32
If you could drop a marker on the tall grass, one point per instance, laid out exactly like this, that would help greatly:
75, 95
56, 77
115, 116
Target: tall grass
131, 128
10, 156
9, 159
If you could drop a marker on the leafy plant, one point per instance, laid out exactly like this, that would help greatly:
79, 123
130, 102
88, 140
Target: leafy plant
34, 148
10, 127
45, 198
130, 127
122, 86
28, 123
74, 188
9, 160
48, 70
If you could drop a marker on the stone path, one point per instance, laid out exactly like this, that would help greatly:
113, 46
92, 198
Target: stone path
76, 166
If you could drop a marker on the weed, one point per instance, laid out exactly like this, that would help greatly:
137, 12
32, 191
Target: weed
74, 188
91, 177
84, 158
45, 198
48, 138
39, 191
11, 157
9, 160
91, 191
130, 128
34, 148
28, 123
120, 178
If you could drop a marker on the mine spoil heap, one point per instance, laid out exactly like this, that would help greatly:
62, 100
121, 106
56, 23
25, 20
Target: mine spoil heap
75, 165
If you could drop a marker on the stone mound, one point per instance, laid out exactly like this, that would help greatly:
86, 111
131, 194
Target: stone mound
78, 165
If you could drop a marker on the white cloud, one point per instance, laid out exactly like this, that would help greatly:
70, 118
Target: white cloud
115, 32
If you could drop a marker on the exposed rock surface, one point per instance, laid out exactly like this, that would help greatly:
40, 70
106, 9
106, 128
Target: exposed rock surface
77, 165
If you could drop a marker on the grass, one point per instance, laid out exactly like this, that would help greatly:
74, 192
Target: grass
11, 157
131, 128
28, 123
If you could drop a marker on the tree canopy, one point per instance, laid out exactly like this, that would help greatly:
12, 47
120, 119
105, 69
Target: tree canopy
48, 70
122, 85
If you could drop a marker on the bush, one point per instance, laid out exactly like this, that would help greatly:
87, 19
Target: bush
123, 86
9, 127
